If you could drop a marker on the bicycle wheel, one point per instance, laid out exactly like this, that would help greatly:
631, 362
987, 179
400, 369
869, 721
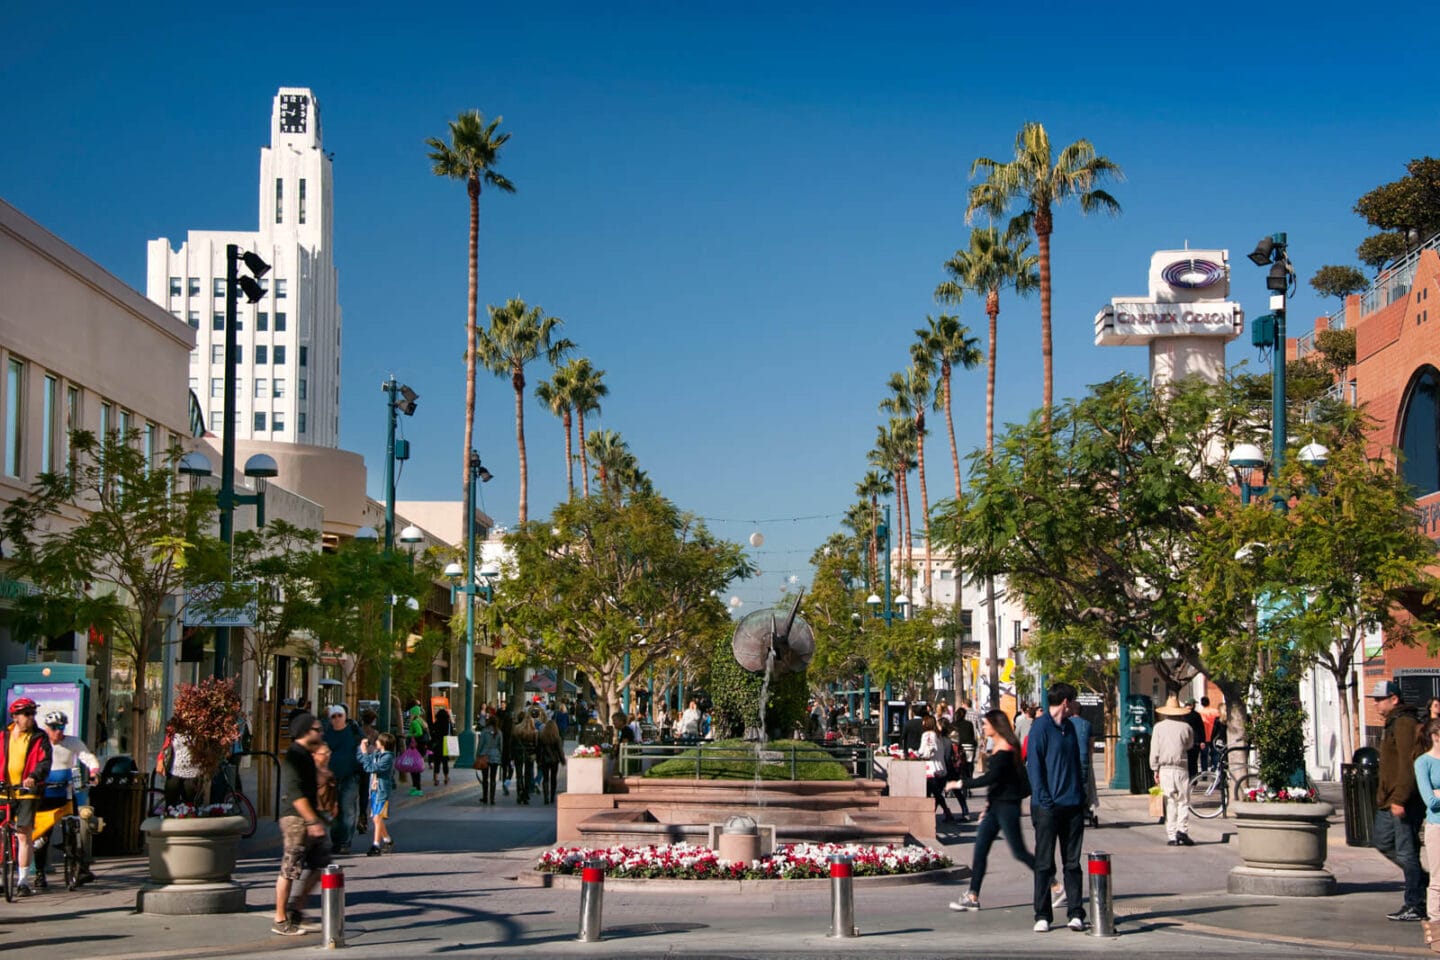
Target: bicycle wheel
1245, 784
241, 806
1206, 795
9, 867
70, 848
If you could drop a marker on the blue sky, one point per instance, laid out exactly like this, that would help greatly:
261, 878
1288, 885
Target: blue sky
739, 210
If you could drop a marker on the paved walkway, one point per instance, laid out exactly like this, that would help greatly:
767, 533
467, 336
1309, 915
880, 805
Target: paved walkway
450, 889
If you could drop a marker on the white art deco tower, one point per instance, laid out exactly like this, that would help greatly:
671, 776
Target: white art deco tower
288, 376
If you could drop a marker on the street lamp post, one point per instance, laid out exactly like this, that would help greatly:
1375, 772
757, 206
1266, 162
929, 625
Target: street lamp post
399, 399
229, 499
475, 470
1269, 331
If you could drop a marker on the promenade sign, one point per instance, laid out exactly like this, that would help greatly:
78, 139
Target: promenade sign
203, 607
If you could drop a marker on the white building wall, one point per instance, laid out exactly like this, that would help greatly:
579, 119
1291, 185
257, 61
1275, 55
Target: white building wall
288, 377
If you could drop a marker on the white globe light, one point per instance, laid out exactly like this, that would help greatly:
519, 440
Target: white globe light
757, 539
735, 602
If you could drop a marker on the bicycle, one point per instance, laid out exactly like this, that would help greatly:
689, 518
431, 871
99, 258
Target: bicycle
72, 827
1209, 792
9, 846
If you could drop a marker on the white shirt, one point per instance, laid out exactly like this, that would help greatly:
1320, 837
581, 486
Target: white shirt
64, 754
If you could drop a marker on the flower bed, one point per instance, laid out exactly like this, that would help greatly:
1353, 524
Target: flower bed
1283, 795
791, 861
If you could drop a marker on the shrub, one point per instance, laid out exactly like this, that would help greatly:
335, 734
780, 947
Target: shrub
1278, 730
735, 760
735, 696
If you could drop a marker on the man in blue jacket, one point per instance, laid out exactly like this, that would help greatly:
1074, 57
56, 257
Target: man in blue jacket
1057, 805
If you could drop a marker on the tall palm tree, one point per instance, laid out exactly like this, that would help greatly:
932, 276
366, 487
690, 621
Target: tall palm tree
910, 394
894, 451
874, 485
993, 262
947, 342
587, 388
613, 459
558, 396
1040, 179
471, 155
518, 335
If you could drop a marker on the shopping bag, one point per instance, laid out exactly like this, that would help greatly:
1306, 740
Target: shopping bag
410, 761
451, 746
1157, 805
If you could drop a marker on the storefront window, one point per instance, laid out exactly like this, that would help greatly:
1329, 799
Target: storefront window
1420, 432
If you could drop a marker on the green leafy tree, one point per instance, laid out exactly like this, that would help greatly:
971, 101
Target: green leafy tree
113, 542
1410, 203
1337, 347
907, 653
1278, 729
1338, 282
471, 155
272, 575
602, 577
1039, 179
1379, 249
519, 335
835, 609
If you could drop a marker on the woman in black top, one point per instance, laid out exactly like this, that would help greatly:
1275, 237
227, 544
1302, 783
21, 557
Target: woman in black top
1007, 784
440, 763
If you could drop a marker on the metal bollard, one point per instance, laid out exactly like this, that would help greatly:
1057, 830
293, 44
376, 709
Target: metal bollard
332, 907
1102, 896
842, 898
592, 897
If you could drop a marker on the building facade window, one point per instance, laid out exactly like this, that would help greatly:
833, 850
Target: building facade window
301, 391
304, 355
259, 422
301, 210
175, 288
262, 385
217, 420
194, 385
262, 354
282, 288
1420, 432
262, 320
279, 200
279, 384
279, 322
72, 422
300, 422
277, 421
193, 318
106, 423
217, 321
217, 387
217, 353
279, 354
152, 445
193, 283
219, 288
14, 416
49, 402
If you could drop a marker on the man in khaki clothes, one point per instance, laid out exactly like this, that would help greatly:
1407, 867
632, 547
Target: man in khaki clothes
1169, 745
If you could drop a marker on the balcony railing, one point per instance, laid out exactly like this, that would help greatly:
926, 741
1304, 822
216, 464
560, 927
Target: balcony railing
1304, 345
1393, 283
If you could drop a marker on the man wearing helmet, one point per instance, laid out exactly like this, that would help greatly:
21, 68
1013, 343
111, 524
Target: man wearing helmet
24, 765
71, 764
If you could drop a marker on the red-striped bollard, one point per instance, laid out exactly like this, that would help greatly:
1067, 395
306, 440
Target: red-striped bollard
1102, 897
842, 897
332, 907
592, 896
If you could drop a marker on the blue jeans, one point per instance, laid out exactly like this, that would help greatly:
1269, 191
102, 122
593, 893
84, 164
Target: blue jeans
1002, 816
343, 829
1398, 839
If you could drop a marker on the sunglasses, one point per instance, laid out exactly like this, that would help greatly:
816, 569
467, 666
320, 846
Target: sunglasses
317, 729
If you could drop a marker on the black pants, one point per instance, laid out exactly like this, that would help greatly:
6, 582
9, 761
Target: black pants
1002, 816
439, 763
488, 778
1065, 824
549, 774
180, 790
935, 786
524, 774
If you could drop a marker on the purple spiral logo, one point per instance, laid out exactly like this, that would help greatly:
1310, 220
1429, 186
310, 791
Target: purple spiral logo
1193, 274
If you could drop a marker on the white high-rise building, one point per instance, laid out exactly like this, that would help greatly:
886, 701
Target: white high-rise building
288, 370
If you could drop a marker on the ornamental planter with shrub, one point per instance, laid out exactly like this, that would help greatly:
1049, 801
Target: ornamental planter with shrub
192, 847
1283, 830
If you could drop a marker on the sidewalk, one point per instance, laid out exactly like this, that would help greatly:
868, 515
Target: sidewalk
450, 888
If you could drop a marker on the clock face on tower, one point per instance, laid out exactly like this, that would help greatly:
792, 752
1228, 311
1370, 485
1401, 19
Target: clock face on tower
292, 112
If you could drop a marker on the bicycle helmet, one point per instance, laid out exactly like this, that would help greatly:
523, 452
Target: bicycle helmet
57, 718
23, 705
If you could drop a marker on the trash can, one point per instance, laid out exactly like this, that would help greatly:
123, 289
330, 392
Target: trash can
119, 799
1137, 751
1359, 781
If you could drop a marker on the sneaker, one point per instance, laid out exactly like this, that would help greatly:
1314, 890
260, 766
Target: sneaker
1057, 895
86, 877
389, 845
1042, 926
1407, 913
1078, 924
966, 903
373, 852
41, 883
286, 929
1184, 840
417, 793
343, 849
295, 916
22, 889
1172, 843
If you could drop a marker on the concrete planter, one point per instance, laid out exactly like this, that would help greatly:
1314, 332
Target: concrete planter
586, 774
905, 777
191, 860
1283, 846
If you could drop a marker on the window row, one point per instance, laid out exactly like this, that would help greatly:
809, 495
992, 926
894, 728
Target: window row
191, 287
280, 201
264, 387
261, 422
264, 354
39, 415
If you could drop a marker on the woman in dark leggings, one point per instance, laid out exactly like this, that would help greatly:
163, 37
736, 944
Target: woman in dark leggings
1007, 785
439, 762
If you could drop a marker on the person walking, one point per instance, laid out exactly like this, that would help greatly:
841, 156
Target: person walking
1086, 733
304, 840
1170, 745
1427, 785
523, 754
440, 761
549, 755
936, 767
419, 733
914, 728
343, 736
1057, 806
507, 750
690, 722
378, 760
489, 747
1006, 786
1400, 810
1023, 720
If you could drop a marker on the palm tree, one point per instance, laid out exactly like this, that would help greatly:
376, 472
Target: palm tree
910, 393
518, 335
1039, 179
613, 459
874, 485
992, 262
587, 387
558, 396
894, 446
948, 342
471, 155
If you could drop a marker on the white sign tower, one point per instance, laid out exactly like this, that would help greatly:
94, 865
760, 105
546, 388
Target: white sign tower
1186, 319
